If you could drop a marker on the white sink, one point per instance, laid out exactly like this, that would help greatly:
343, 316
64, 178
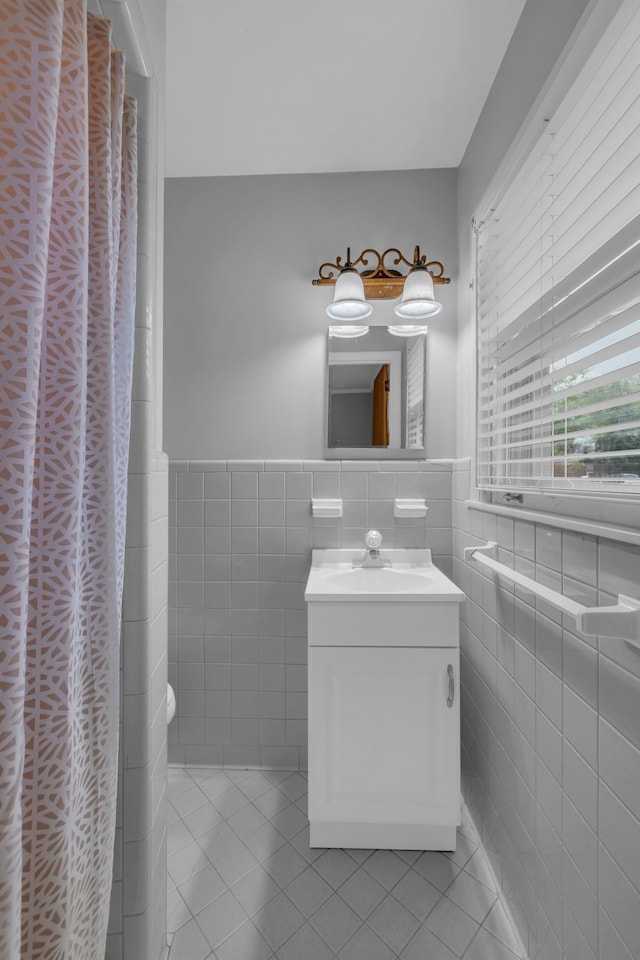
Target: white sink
411, 576
394, 580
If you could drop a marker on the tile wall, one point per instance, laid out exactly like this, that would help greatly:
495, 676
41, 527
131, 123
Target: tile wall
137, 923
551, 735
241, 534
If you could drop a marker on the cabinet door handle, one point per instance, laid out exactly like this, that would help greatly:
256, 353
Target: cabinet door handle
451, 685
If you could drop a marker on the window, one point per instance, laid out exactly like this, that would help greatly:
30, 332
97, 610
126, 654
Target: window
558, 291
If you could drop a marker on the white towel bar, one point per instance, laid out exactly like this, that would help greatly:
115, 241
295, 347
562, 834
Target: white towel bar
621, 620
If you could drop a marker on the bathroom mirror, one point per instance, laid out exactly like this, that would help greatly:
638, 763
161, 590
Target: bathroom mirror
376, 396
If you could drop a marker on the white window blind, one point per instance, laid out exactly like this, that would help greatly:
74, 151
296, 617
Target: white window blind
415, 394
558, 291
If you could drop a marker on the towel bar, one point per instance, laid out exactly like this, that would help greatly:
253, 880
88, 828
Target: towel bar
621, 620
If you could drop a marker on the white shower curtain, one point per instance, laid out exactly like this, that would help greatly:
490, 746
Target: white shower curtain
67, 277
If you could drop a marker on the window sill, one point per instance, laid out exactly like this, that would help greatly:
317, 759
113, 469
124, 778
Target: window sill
608, 529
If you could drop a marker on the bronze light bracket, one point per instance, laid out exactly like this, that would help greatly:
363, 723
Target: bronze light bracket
381, 282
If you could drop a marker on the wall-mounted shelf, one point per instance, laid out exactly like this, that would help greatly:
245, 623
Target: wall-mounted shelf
621, 620
326, 507
409, 507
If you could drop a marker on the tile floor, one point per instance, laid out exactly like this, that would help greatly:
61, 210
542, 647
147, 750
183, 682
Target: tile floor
245, 885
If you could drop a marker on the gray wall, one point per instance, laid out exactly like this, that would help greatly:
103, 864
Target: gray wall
245, 331
550, 729
350, 419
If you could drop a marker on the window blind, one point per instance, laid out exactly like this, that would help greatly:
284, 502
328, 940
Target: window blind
558, 290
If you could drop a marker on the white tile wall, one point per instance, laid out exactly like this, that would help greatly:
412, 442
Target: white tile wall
241, 534
137, 927
551, 736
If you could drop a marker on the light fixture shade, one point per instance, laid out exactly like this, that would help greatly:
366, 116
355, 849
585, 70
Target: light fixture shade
348, 300
407, 330
348, 331
418, 300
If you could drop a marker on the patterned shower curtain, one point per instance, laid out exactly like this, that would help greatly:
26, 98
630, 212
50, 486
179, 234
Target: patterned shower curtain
67, 278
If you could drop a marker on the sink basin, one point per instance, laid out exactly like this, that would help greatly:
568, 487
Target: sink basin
412, 576
398, 579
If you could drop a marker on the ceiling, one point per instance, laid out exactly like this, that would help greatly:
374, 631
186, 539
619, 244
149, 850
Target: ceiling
290, 86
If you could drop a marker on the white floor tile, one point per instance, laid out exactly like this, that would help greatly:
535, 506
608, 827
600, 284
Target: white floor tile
452, 925
202, 819
235, 863
230, 802
255, 785
416, 894
409, 856
290, 821
188, 800
485, 947
246, 820
178, 780
178, 912
217, 841
301, 843
465, 848
247, 943
229, 864
308, 891
255, 890
271, 802
385, 867
437, 869
264, 841
426, 945
393, 923
285, 864
478, 866
216, 784
499, 925
189, 943
335, 866
294, 786
366, 945
335, 922
220, 919
471, 895
362, 893
202, 888
185, 862
278, 921
178, 836
305, 943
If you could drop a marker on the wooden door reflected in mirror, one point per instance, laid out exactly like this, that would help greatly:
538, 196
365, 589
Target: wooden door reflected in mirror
380, 418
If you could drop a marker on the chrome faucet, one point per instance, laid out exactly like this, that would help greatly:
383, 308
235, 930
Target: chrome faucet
372, 557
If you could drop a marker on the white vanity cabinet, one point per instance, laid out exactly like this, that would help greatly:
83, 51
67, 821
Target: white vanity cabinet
384, 717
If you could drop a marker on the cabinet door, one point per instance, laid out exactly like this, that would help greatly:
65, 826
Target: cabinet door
384, 746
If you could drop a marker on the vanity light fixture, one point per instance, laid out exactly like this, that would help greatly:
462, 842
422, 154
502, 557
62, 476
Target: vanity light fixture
382, 282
